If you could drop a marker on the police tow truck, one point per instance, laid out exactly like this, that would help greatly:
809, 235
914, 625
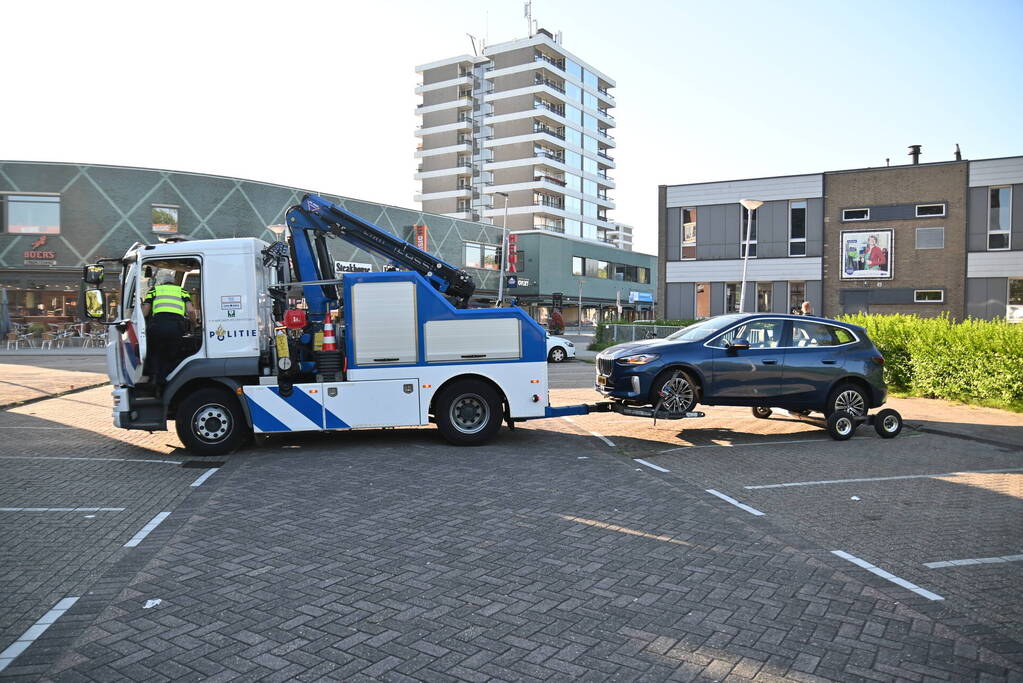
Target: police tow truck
385, 349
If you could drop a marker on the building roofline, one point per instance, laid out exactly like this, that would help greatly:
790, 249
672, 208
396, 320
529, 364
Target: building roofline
540, 38
451, 60
234, 178
572, 238
842, 170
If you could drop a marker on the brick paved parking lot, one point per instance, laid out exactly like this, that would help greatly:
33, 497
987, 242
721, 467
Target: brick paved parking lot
553, 554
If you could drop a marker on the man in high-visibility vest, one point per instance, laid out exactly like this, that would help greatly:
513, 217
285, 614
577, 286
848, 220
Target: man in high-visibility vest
165, 308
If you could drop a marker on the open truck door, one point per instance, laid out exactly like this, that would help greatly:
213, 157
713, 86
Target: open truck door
126, 327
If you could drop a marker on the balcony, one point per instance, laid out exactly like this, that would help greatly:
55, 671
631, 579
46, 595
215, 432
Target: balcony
543, 178
553, 202
603, 91
556, 63
601, 132
547, 130
549, 155
560, 111
548, 225
605, 114
540, 80
602, 155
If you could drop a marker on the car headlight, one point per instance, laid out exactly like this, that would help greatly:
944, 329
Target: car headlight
639, 359
568, 343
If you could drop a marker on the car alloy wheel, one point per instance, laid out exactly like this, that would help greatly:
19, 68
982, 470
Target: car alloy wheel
850, 401
677, 395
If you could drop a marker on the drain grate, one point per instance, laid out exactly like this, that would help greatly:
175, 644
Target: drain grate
203, 464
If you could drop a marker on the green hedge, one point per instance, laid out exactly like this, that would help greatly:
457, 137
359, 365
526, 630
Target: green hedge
977, 361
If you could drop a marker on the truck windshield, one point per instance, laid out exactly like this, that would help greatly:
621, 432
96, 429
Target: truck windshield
703, 329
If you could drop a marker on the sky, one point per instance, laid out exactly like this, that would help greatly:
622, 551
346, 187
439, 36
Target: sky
320, 95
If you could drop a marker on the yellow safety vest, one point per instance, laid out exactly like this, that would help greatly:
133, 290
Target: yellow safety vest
168, 299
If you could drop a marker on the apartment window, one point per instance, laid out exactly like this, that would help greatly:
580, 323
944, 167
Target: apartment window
578, 266
590, 166
603, 270
573, 137
644, 276
1014, 309
731, 297
573, 227
855, 214
928, 296
33, 214
688, 233
165, 219
748, 234
589, 231
797, 228
591, 267
930, 238
702, 306
572, 205
589, 209
797, 295
999, 218
764, 297
928, 210
590, 187
590, 79
573, 182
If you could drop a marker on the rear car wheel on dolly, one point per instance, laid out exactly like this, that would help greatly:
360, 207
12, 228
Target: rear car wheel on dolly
763, 412
888, 423
842, 425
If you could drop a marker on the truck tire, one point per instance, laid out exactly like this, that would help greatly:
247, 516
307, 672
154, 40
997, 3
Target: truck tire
210, 422
468, 412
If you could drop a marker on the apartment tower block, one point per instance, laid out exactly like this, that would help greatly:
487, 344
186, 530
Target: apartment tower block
526, 122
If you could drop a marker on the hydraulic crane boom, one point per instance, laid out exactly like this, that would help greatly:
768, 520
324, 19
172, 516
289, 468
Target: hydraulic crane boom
316, 217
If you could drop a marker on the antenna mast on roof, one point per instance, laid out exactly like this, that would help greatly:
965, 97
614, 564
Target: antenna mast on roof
528, 13
472, 39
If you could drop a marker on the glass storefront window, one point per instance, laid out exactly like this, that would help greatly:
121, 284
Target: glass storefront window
731, 297
797, 295
764, 297
473, 256
32, 214
578, 265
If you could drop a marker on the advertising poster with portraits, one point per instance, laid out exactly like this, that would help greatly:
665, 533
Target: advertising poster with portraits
867, 254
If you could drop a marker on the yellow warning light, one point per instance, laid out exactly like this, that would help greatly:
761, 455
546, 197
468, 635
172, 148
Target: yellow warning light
238, 391
534, 381
427, 386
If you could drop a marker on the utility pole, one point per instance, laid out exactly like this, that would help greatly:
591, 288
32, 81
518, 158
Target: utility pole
580, 305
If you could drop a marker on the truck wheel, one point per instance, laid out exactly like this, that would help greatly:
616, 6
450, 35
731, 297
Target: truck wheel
557, 355
468, 412
888, 423
677, 390
841, 425
763, 412
210, 422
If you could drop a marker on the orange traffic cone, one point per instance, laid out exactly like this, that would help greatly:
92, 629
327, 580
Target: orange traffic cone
329, 341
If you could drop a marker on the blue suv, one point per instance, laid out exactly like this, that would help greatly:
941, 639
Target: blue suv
762, 360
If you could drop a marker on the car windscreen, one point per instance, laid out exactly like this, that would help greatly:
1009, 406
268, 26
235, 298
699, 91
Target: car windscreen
703, 329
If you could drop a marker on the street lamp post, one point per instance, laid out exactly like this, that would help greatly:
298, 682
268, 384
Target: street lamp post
750, 205
504, 249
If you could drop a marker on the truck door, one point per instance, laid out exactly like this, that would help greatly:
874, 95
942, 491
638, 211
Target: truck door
126, 350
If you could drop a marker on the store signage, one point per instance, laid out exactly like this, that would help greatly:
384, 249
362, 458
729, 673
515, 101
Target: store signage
867, 254
640, 297
419, 232
351, 267
513, 253
38, 255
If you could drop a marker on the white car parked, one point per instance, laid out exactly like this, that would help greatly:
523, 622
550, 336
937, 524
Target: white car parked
559, 349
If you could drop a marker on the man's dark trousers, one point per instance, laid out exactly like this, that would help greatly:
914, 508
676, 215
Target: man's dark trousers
163, 344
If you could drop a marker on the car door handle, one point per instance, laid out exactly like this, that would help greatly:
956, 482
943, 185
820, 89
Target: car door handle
829, 362
769, 361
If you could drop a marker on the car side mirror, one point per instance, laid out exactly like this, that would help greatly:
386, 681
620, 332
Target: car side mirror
740, 344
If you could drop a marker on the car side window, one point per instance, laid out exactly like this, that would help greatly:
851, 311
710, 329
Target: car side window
810, 334
761, 334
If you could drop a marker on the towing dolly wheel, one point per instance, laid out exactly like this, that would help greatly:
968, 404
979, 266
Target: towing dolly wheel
763, 412
888, 423
468, 412
842, 425
210, 422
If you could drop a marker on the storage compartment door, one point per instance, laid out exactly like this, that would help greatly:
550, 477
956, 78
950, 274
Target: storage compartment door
471, 340
384, 323
373, 403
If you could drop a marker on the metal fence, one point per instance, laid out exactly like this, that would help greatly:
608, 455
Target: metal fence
624, 333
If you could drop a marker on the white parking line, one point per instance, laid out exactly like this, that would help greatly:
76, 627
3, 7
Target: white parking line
974, 560
733, 501
652, 466
886, 575
34, 631
606, 440
865, 479
144, 531
788, 442
204, 476
62, 509
60, 457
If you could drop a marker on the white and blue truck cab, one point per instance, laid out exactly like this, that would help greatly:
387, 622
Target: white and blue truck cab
366, 350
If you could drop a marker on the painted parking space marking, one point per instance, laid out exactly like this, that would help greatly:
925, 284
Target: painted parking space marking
652, 466
603, 438
733, 501
61, 457
888, 576
204, 476
78, 509
974, 560
144, 531
869, 479
34, 631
